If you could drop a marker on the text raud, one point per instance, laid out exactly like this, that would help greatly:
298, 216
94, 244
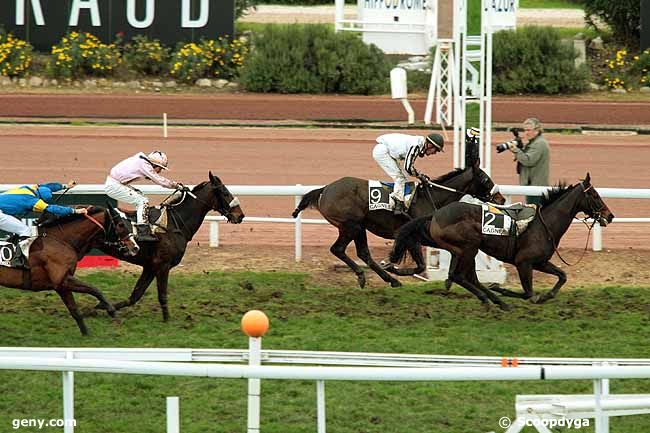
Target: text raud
92, 7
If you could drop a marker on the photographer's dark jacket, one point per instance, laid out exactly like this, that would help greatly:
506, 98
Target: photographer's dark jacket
533, 162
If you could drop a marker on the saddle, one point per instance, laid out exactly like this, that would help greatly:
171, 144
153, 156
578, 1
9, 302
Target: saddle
522, 214
157, 219
518, 211
380, 198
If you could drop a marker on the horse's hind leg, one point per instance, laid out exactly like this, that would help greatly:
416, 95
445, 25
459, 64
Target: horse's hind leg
465, 275
525, 277
78, 286
69, 302
361, 244
550, 268
473, 279
338, 249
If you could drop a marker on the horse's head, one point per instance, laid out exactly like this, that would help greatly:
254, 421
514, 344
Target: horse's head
224, 202
483, 187
592, 204
117, 232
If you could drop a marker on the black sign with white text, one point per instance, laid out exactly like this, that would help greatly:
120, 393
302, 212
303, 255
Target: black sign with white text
44, 22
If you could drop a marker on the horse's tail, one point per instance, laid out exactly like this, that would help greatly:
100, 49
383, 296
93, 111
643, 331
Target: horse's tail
308, 200
410, 234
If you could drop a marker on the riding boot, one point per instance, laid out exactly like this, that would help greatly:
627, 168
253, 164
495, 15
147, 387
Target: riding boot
400, 208
23, 243
144, 233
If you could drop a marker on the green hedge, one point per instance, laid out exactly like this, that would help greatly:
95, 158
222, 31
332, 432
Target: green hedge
622, 16
314, 59
534, 60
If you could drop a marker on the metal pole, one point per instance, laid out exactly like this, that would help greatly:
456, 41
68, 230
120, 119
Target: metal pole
173, 415
165, 125
487, 141
339, 14
597, 241
254, 385
68, 397
298, 231
320, 405
214, 234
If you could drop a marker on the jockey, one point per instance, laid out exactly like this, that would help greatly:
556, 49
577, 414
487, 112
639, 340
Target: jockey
134, 168
393, 148
32, 198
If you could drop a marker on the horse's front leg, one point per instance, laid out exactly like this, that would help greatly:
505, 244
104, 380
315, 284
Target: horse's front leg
162, 280
550, 268
138, 291
76, 285
525, 271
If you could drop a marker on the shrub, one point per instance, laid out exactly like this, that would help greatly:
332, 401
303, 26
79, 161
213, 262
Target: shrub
314, 59
534, 60
81, 54
623, 17
219, 58
15, 55
146, 56
627, 72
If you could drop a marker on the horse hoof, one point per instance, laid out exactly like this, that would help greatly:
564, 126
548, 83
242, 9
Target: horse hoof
361, 279
505, 307
395, 283
111, 312
537, 299
448, 283
121, 305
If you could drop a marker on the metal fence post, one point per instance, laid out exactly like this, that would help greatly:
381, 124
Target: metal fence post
320, 405
298, 230
597, 242
68, 397
214, 234
254, 385
173, 415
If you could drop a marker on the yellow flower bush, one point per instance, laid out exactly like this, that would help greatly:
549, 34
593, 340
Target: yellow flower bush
146, 56
625, 71
15, 55
219, 58
81, 54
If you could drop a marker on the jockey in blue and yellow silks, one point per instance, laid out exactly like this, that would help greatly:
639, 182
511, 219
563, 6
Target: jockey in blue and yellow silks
30, 198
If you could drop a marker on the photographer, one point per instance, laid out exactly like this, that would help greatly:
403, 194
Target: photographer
533, 156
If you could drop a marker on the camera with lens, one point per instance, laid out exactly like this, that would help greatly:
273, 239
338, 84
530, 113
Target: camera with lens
502, 147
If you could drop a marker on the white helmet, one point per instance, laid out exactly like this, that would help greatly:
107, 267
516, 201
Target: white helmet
158, 158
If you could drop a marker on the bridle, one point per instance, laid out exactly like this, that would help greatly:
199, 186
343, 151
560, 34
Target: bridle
222, 207
595, 214
112, 228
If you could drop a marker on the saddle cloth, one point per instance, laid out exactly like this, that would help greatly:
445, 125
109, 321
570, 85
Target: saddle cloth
11, 255
379, 197
157, 216
497, 219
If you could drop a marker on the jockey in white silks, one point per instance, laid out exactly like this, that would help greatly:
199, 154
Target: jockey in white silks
392, 149
134, 168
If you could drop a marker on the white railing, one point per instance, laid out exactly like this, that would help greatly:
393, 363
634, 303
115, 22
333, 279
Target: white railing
299, 190
317, 366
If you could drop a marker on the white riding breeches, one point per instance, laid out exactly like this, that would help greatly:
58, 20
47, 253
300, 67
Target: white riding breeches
12, 224
392, 168
127, 194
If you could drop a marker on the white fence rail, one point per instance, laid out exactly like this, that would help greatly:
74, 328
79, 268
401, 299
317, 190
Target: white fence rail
317, 366
298, 191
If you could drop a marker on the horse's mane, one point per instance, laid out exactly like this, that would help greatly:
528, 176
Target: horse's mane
54, 221
176, 200
555, 193
445, 177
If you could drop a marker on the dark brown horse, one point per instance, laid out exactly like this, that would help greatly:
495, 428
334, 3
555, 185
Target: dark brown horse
61, 244
344, 203
457, 229
185, 215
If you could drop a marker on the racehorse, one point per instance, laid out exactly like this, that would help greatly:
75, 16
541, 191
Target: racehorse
185, 215
60, 245
457, 229
344, 204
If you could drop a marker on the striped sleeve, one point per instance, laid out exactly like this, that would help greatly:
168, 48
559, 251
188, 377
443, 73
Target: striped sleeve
409, 164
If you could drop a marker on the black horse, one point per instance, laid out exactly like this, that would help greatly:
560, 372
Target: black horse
185, 215
344, 204
457, 229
